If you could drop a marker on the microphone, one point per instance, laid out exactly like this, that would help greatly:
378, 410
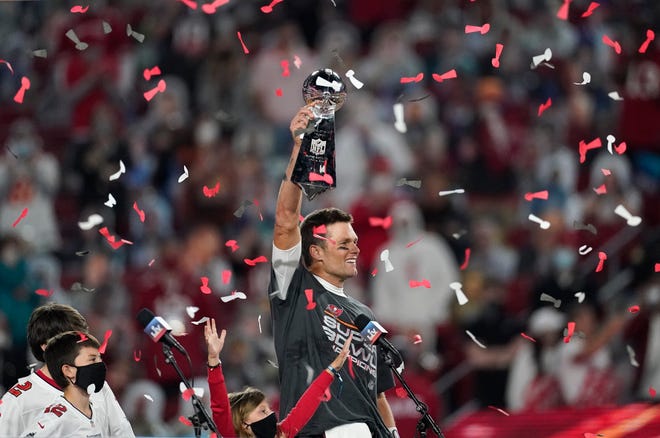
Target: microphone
373, 332
158, 329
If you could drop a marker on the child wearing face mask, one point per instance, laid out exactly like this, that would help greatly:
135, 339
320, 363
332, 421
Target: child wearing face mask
75, 363
247, 414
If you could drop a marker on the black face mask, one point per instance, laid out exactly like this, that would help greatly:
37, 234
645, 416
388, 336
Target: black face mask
266, 427
91, 374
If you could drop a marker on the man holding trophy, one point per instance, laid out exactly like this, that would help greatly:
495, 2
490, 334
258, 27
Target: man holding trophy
312, 316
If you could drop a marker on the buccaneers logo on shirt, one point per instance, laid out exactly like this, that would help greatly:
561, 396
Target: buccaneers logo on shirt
334, 310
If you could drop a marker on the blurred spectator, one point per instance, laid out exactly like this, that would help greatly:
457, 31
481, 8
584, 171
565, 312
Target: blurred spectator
587, 377
408, 310
489, 252
533, 383
29, 180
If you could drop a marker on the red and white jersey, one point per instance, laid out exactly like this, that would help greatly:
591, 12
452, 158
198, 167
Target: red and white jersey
26, 400
62, 419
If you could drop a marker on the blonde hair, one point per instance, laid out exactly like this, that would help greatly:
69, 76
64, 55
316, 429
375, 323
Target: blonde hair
242, 404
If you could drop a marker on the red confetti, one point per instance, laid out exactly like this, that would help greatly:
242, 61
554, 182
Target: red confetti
571, 331
481, 29
162, 86
20, 217
104, 344
451, 74
138, 211
590, 9
633, 309
183, 419
150, 72
209, 193
210, 8
83, 337
601, 190
20, 94
652, 392
602, 257
374, 272
278, 92
621, 148
613, 44
204, 288
467, 259
190, 3
309, 293
269, 8
381, 222
417, 339
137, 355
226, 276
187, 394
240, 38
232, 244
11, 69
326, 395
321, 229
112, 240
584, 147
536, 195
79, 9
253, 262
606, 172
401, 392
43, 292
657, 267
650, 36
498, 51
424, 282
409, 79
527, 337
285, 68
544, 106
318, 236
326, 177
409, 244
501, 411
562, 13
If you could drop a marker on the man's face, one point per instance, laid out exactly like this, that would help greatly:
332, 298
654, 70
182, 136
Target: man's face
339, 255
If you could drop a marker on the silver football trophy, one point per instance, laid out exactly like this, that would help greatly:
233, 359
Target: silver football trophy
314, 171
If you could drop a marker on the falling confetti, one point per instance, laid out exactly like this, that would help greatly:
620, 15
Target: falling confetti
211, 192
600, 190
457, 287
481, 29
586, 79
562, 13
226, 276
2, 61
417, 339
184, 175
211, 8
501, 411
399, 122
240, 38
544, 57
550, 299
579, 226
309, 294
474, 339
130, 32
580, 296
204, 288
590, 10
571, 331
544, 106
232, 244
92, 221
543, 224
259, 323
451, 192
584, 250
150, 94
380, 222
79, 9
327, 178
498, 52
104, 344
191, 311
529, 338
44, 292
253, 262
151, 72
650, 36
631, 219
385, 258
614, 44
451, 74
112, 240
631, 356
414, 183
536, 195
466, 259
111, 202
138, 211
269, 8
601, 260
137, 356
351, 77
116, 175
20, 94
614, 95
71, 34
20, 217
410, 79
415, 283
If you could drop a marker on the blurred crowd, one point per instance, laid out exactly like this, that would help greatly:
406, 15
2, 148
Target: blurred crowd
223, 121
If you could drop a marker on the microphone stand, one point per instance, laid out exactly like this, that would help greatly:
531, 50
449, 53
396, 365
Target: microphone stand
201, 417
426, 421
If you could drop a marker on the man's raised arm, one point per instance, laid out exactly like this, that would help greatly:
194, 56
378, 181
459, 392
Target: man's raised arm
286, 233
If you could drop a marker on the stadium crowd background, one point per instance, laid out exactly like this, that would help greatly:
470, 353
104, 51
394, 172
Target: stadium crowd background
224, 116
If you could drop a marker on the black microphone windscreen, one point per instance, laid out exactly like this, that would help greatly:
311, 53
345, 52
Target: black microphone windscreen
145, 316
361, 321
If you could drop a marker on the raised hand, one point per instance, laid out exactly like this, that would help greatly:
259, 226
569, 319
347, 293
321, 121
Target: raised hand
214, 343
343, 354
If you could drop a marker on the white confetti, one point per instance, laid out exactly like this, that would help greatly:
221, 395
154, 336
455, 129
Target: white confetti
201, 321
550, 299
385, 257
457, 287
92, 221
399, 122
106, 27
40, 53
111, 202
451, 192
631, 354
351, 77
122, 169
191, 310
296, 61
614, 95
184, 175
273, 363
586, 78
542, 223
234, 295
148, 397
631, 220
545, 57
321, 82
474, 339
580, 296
259, 322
